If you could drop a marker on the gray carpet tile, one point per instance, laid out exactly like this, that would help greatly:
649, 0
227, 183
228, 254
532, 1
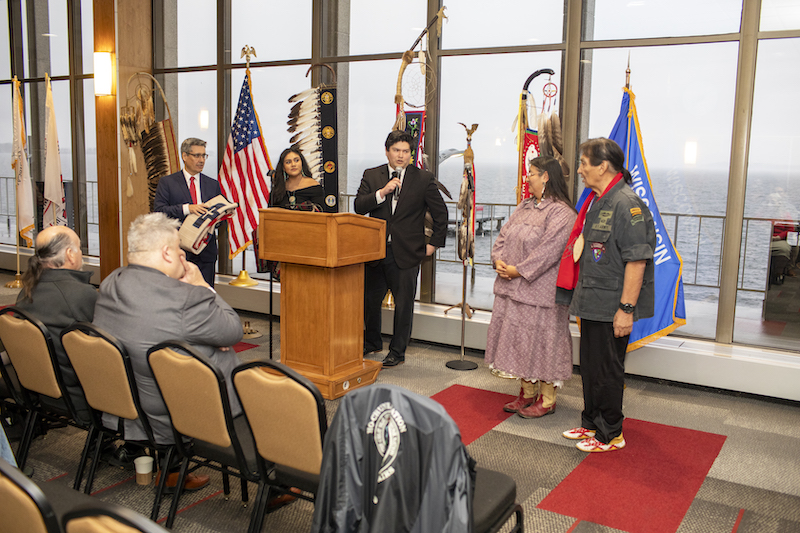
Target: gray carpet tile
708, 517
785, 526
757, 523
740, 496
757, 469
590, 527
533, 464
781, 419
669, 412
542, 521
547, 428
690, 394
758, 459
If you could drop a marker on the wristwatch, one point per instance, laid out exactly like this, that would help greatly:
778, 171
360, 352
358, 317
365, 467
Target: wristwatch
627, 308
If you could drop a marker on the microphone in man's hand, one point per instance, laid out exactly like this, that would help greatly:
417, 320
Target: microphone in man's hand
396, 174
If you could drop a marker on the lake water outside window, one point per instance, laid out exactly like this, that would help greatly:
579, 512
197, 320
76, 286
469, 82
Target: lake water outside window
772, 205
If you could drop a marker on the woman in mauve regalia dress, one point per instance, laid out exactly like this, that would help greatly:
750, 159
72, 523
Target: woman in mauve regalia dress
529, 333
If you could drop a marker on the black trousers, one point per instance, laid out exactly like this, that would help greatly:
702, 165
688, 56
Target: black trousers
206, 268
602, 359
403, 284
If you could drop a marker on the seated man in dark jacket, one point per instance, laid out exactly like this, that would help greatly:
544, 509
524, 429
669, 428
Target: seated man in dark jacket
57, 293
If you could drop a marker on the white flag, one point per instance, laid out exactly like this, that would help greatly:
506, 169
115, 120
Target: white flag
19, 161
55, 203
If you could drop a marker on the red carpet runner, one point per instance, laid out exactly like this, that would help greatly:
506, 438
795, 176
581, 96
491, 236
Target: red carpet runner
242, 346
646, 487
475, 411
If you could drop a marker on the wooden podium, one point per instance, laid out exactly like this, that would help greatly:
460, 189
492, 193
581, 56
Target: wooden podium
322, 259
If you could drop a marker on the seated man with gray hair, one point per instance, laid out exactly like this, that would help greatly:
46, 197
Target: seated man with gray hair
161, 296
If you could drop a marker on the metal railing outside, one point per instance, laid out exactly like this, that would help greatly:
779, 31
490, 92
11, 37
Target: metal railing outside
8, 210
698, 239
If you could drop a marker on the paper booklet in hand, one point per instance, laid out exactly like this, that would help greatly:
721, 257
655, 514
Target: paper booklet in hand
196, 229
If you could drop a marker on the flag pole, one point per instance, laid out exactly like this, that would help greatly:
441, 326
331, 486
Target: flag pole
244, 279
17, 283
55, 217
630, 112
628, 72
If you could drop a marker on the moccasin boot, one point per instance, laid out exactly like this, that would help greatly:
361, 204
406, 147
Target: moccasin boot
537, 409
531, 389
518, 403
548, 392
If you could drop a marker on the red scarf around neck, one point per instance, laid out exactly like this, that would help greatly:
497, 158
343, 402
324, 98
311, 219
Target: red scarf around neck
569, 269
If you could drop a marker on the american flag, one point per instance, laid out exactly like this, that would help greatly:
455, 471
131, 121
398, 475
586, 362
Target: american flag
243, 173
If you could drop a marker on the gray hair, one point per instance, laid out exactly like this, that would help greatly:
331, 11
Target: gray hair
191, 141
52, 254
151, 232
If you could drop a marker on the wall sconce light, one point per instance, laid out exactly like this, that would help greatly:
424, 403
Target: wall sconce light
103, 73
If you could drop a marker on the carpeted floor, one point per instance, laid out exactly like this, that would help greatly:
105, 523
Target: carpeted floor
751, 485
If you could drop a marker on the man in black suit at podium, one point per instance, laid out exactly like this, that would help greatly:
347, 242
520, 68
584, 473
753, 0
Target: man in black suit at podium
400, 194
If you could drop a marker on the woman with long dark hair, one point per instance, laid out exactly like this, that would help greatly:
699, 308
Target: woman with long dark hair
529, 335
292, 184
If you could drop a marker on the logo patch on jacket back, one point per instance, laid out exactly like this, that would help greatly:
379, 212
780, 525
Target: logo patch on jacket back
385, 425
598, 249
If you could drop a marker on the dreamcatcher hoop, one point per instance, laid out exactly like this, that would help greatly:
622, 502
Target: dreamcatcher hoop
418, 84
549, 90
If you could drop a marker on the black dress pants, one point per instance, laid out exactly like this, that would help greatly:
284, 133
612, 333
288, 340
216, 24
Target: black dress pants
602, 359
403, 284
207, 269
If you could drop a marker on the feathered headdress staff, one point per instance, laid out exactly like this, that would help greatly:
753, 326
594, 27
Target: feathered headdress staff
525, 139
466, 201
157, 139
313, 123
551, 142
408, 57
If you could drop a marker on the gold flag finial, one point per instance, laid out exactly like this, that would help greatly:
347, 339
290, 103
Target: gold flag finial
248, 51
628, 72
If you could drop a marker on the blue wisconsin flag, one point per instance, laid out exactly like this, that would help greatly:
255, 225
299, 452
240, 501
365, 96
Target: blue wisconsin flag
670, 311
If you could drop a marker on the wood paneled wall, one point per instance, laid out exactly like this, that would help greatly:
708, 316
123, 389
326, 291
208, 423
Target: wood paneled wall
124, 28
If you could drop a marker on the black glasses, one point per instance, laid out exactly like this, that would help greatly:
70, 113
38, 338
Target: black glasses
198, 156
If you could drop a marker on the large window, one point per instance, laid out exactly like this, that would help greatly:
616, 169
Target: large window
273, 30
684, 75
375, 27
481, 24
685, 71
484, 90
633, 19
686, 132
767, 310
41, 27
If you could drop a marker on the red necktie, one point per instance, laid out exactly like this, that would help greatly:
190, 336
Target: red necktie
192, 190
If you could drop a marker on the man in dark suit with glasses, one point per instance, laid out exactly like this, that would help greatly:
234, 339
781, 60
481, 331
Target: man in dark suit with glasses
186, 192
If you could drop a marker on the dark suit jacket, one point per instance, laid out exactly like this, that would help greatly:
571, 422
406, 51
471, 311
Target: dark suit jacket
407, 225
61, 298
172, 192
